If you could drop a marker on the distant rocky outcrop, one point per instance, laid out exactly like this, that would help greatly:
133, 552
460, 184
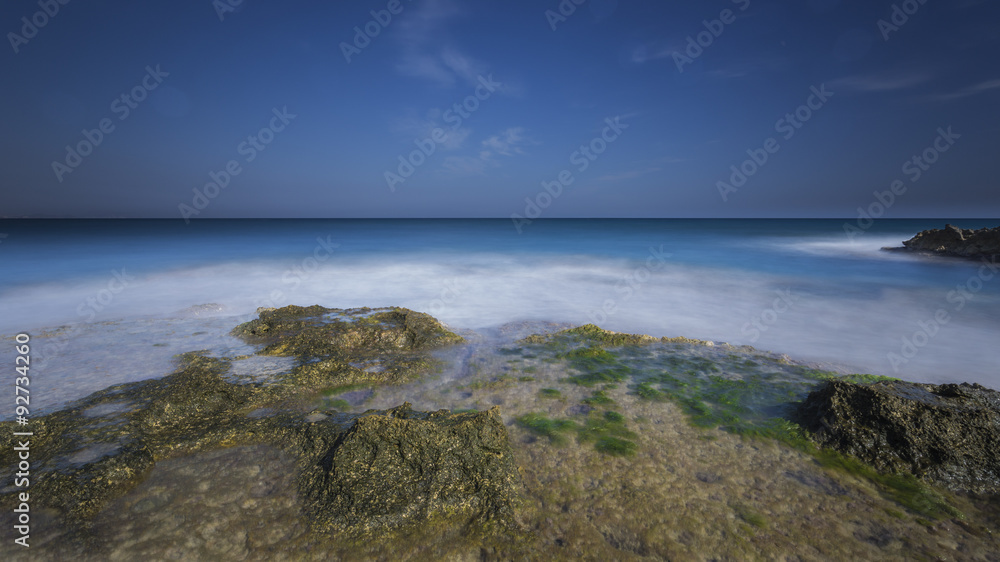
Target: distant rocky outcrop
947, 434
955, 241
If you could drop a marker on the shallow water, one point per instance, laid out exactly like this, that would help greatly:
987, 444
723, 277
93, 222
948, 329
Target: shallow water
684, 492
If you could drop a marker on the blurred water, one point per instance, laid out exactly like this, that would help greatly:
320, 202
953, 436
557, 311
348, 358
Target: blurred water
121, 290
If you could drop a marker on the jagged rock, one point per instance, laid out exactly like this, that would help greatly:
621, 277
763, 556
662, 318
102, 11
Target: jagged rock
948, 434
955, 241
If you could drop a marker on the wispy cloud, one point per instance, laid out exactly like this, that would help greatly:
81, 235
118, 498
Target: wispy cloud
423, 128
628, 174
427, 67
508, 142
740, 69
883, 82
967, 92
654, 51
467, 165
646, 168
423, 35
419, 26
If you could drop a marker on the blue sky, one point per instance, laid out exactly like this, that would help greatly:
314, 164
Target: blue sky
265, 90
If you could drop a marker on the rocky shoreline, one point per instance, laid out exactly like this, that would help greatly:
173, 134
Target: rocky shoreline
364, 479
951, 240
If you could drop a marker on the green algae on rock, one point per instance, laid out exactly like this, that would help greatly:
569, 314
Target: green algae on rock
339, 347
946, 434
316, 331
103, 445
715, 387
399, 466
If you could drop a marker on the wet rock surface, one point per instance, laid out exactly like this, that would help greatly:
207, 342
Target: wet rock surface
398, 466
101, 447
955, 241
354, 346
948, 434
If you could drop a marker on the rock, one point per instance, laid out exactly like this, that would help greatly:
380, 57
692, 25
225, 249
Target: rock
947, 434
315, 331
955, 241
400, 466
331, 342
101, 446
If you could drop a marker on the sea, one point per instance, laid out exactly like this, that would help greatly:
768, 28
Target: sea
111, 301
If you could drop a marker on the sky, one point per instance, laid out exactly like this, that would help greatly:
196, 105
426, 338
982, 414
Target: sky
505, 109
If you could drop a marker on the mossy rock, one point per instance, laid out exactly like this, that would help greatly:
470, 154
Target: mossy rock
946, 434
316, 332
101, 446
330, 343
594, 335
395, 467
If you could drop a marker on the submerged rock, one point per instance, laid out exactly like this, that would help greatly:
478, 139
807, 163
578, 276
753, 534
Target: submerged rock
333, 344
948, 434
316, 331
955, 241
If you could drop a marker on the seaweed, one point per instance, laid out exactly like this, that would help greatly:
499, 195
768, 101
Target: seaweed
599, 398
545, 427
550, 393
750, 515
614, 446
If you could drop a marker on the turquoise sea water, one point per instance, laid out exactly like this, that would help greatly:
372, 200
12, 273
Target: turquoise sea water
109, 301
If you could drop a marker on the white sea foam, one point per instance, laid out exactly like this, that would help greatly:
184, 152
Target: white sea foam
854, 325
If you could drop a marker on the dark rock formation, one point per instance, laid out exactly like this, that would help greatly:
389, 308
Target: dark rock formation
955, 241
948, 434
